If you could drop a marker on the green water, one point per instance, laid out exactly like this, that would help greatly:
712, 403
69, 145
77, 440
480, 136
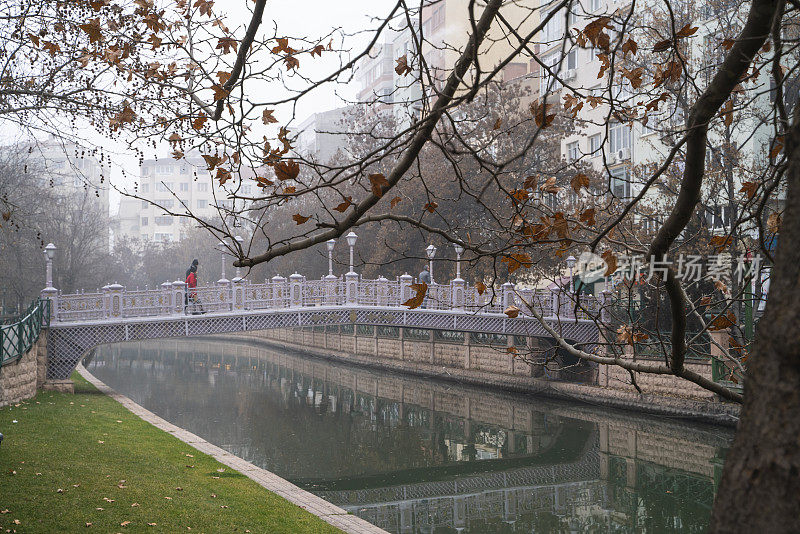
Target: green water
420, 456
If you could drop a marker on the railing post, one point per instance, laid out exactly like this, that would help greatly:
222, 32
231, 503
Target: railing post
605, 300
165, 299
331, 283
179, 301
508, 295
382, 288
405, 287
296, 290
51, 294
457, 290
351, 283
113, 300
278, 289
555, 302
237, 293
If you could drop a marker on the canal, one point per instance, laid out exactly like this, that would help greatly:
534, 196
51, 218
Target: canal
419, 456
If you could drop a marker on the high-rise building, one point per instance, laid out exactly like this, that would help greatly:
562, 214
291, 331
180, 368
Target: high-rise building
168, 190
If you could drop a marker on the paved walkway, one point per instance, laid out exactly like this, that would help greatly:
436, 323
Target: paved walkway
308, 501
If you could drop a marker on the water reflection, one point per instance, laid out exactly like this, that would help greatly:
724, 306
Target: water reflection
417, 456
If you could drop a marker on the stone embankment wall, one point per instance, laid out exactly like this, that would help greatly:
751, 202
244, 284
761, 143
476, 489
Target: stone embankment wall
20, 380
457, 356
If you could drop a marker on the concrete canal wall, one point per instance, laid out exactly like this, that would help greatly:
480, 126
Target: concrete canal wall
486, 361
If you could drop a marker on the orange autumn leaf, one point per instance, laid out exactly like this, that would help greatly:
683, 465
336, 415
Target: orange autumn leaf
416, 301
378, 183
300, 219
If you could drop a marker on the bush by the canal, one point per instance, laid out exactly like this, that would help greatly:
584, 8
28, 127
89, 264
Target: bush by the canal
81, 461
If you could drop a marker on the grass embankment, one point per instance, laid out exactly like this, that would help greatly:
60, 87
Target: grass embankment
82, 462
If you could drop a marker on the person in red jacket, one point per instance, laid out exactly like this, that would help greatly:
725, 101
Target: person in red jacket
191, 288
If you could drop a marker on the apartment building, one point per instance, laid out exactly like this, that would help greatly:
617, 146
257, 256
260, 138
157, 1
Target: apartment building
175, 187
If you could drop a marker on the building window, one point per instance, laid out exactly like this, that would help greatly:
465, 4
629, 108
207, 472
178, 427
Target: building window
163, 221
620, 182
163, 238
144, 221
620, 137
166, 203
163, 187
163, 169
573, 151
572, 59
145, 171
202, 187
145, 204
594, 5
554, 29
184, 186
550, 61
594, 144
202, 203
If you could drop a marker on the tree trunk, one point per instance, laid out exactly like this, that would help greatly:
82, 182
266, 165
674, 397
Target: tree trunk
760, 489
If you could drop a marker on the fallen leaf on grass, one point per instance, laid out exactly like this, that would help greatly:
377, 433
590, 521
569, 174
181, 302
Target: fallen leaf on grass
190, 466
88, 524
59, 490
101, 441
135, 504
107, 499
221, 470
223, 506
125, 523
76, 485
6, 511
151, 524
213, 495
99, 509
190, 455
179, 488
168, 498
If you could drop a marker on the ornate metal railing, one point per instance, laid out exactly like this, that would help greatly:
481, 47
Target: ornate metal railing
17, 337
115, 301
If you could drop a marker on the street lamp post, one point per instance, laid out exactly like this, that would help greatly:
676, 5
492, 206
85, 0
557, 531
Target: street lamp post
431, 252
238, 277
351, 278
571, 263
331, 243
459, 252
221, 246
49, 255
351, 241
50, 293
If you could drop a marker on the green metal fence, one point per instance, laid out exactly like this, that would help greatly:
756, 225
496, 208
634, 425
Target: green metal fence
17, 337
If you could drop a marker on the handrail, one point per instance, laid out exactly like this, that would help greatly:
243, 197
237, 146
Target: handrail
18, 337
115, 301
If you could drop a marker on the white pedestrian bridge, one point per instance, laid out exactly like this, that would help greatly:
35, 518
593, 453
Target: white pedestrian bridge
81, 321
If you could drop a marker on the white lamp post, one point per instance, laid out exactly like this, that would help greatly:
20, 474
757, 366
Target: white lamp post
571, 263
431, 252
459, 252
330, 244
49, 255
238, 278
221, 247
351, 241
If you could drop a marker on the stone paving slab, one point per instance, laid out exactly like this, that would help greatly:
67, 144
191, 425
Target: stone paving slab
326, 511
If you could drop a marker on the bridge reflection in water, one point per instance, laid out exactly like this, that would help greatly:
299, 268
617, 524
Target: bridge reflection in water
412, 455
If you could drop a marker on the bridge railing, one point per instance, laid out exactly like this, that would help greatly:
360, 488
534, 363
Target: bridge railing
115, 301
18, 336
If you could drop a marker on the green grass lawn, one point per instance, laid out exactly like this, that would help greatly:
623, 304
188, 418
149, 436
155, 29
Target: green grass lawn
82, 462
